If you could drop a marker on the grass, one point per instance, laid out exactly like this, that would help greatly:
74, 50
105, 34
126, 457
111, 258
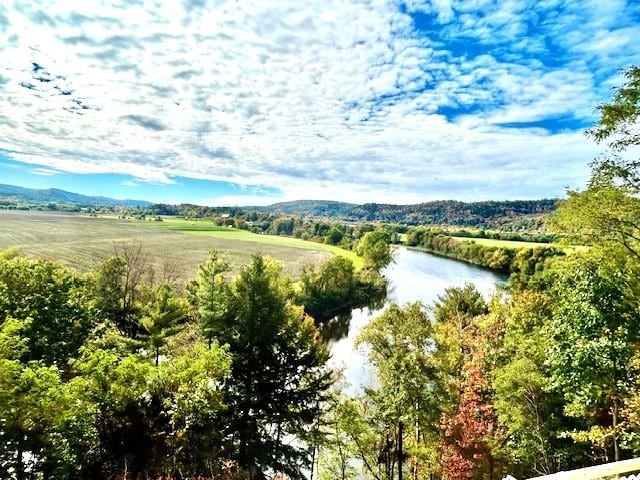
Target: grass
82, 242
208, 229
514, 244
490, 242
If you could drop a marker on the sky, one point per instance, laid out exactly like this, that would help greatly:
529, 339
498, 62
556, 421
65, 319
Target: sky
255, 101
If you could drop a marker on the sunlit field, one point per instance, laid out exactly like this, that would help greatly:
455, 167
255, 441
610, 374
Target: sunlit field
81, 242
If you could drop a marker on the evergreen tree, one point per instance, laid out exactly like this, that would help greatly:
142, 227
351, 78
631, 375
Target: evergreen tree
212, 294
278, 373
162, 319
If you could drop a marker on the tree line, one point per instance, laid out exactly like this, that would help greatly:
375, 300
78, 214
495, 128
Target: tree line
522, 263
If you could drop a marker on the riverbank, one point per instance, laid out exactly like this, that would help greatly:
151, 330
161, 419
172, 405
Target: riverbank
500, 259
414, 276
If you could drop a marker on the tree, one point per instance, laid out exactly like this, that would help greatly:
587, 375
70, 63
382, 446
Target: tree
527, 406
334, 236
400, 346
468, 429
609, 210
278, 373
454, 314
191, 392
113, 383
212, 294
595, 330
618, 127
32, 404
466, 341
54, 303
118, 287
375, 248
328, 287
604, 214
162, 319
352, 437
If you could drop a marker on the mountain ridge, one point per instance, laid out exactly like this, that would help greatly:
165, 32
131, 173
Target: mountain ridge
433, 212
58, 195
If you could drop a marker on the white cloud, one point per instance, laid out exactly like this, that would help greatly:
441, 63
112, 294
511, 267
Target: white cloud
46, 172
320, 99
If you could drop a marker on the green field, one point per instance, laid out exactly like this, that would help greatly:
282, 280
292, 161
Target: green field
82, 242
208, 229
490, 242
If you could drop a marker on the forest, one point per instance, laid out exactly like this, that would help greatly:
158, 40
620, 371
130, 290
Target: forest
522, 261
123, 372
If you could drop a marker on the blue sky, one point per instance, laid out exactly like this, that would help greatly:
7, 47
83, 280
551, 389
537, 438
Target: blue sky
182, 189
224, 102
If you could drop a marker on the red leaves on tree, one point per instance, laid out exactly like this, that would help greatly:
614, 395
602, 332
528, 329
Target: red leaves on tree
468, 427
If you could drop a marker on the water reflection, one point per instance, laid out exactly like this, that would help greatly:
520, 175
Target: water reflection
415, 276
337, 327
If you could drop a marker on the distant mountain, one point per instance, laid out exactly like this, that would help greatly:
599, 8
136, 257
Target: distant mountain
55, 195
442, 212
313, 208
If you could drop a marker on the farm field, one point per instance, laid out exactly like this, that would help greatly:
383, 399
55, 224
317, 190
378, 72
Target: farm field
82, 242
208, 229
490, 242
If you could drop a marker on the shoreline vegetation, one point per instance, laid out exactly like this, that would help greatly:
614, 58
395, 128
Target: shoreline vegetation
518, 259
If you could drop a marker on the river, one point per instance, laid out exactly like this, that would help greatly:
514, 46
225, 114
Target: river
414, 276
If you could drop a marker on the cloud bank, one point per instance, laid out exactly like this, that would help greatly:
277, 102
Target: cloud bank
367, 100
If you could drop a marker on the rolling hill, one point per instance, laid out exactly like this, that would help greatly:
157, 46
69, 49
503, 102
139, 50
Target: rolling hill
55, 195
441, 212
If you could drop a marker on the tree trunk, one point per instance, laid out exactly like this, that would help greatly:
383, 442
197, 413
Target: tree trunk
616, 446
400, 452
313, 461
19, 465
415, 460
243, 451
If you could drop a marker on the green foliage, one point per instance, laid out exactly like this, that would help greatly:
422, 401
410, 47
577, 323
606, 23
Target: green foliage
212, 294
119, 287
334, 236
53, 303
400, 346
620, 115
594, 329
352, 432
375, 248
277, 370
162, 319
526, 404
519, 261
328, 287
602, 214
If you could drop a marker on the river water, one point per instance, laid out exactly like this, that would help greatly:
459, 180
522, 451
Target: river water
414, 276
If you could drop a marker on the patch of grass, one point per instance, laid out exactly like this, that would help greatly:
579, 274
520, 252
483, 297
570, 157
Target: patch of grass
490, 242
514, 244
206, 228
82, 242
